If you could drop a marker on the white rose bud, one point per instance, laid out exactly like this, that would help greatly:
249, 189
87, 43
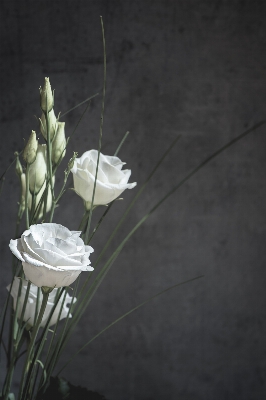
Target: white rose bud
59, 143
30, 150
47, 98
38, 170
51, 255
111, 179
30, 308
52, 125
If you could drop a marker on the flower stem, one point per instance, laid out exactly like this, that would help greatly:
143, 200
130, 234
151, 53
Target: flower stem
26, 197
49, 161
23, 388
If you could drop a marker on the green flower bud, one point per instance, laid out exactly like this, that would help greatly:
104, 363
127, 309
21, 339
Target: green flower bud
19, 169
52, 125
47, 98
59, 143
38, 170
71, 161
30, 150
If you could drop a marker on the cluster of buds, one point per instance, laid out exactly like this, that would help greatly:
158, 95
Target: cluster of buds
35, 154
37, 180
55, 131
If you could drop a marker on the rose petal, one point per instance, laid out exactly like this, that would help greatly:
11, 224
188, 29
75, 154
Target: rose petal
28, 250
55, 278
16, 248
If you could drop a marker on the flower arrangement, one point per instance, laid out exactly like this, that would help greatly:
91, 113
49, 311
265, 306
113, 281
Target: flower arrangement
48, 257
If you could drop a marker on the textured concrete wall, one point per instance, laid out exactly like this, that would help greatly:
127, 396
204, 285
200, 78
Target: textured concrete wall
196, 68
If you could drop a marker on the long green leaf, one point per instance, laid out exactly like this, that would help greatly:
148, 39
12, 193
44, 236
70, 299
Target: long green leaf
121, 143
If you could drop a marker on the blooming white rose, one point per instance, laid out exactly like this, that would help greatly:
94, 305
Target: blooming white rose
51, 255
111, 179
30, 309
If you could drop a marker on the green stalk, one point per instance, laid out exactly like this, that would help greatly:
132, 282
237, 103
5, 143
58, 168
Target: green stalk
24, 307
13, 332
12, 345
100, 221
43, 336
121, 144
50, 363
56, 325
84, 220
26, 197
22, 389
4, 311
37, 305
33, 205
49, 163
7, 384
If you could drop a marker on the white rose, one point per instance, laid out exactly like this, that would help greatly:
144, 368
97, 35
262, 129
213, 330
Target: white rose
51, 255
111, 179
31, 303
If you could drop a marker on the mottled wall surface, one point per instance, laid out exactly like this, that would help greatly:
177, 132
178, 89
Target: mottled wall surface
195, 68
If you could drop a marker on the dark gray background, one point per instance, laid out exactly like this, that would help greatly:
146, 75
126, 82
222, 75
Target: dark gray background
196, 68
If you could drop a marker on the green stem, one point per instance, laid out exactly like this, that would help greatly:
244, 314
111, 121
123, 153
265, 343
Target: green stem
49, 154
22, 389
52, 211
8, 381
26, 197
121, 143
